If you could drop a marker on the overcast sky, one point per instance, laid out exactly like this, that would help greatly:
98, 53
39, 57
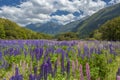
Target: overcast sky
38, 11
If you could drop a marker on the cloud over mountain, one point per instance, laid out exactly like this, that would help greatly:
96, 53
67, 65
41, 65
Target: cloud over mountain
63, 11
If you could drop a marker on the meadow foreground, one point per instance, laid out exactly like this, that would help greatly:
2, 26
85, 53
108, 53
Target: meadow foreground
59, 60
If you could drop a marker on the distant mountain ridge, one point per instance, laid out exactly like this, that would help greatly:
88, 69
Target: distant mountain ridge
53, 28
92, 23
48, 27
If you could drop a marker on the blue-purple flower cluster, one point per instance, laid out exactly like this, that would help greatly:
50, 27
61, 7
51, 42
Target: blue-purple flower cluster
50, 58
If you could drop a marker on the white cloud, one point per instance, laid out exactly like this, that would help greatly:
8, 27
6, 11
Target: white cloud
34, 11
64, 18
114, 1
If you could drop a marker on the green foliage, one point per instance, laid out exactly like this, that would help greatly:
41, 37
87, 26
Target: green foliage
100, 65
111, 30
108, 31
95, 35
67, 36
2, 32
10, 30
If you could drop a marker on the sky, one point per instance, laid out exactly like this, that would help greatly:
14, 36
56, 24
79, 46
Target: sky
25, 12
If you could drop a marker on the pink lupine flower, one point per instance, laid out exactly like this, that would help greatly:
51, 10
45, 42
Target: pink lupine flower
88, 71
81, 73
76, 64
118, 77
73, 67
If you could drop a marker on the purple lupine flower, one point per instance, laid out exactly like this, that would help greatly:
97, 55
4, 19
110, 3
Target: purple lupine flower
5, 52
79, 52
86, 49
16, 71
32, 54
55, 69
41, 72
4, 79
82, 56
81, 73
62, 63
88, 71
31, 77
15, 52
70, 49
12, 78
17, 75
10, 50
25, 53
99, 51
91, 50
49, 65
38, 53
68, 69
59, 50
35, 71
0, 55
45, 71
50, 50
4, 64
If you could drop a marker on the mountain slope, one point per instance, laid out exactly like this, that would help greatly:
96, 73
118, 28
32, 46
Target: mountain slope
48, 27
70, 26
10, 30
54, 27
85, 27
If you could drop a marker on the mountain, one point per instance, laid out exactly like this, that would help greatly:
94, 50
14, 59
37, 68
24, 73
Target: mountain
10, 30
83, 27
92, 23
70, 26
48, 27
54, 28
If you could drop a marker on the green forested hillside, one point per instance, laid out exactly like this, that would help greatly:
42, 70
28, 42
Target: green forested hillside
10, 30
87, 26
67, 36
69, 26
108, 31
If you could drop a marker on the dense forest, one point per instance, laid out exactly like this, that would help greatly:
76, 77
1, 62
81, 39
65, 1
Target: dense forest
67, 36
108, 31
